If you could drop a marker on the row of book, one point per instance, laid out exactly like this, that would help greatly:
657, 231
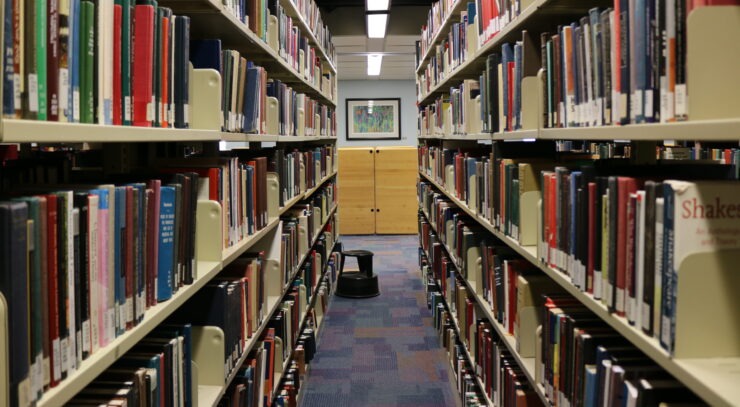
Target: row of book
255, 14
311, 14
579, 360
85, 62
84, 264
479, 22
630, 216
245, 88
157, 371
303, 224
501, 377
465, 382
299, 171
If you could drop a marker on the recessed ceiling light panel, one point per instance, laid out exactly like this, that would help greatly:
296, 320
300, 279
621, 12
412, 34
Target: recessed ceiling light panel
376, 24
373, 64
375, 5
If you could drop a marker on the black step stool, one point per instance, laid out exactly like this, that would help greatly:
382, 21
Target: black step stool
359, 284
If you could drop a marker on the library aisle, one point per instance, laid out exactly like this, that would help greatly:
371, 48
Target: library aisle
381, 351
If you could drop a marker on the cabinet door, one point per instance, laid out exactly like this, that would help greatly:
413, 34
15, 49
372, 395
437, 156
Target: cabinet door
396, 203
356, 192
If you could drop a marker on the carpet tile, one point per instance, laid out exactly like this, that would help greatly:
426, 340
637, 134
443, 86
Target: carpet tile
382, 351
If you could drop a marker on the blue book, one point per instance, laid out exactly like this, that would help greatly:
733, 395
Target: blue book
517, 110
119, 240
507, 57
470, 171
8, 72
471, 13
74, 64
594, 21
206, 54
14, 287
251, 119
166, 261
667, 299
591, 386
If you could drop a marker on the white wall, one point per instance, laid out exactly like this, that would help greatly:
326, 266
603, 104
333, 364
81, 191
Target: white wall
406, 90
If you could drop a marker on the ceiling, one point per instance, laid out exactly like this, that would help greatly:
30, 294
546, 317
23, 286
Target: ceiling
346, 21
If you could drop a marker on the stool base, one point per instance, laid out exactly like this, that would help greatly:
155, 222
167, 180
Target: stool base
357, 285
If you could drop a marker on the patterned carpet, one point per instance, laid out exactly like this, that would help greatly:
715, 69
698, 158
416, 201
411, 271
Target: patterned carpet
382, 351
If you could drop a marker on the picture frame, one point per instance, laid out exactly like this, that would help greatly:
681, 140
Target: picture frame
373, 119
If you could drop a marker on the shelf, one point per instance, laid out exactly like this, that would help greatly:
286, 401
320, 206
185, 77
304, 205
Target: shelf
476, 62
319, 185
213, 20
713, 379
229, 254
213, 394
38, 131
99, 361
716, 130
468, 137
301, 325
298, 20
526, 364
243, 137
303, 195
456, 327
452, 17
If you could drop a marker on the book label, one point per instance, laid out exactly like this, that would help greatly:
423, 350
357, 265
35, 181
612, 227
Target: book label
17, 89
86, 336
681, 100
619, 305
33, 90
76, 105
140, 306
186, 113
646, 312
150, 110
597, 284
649, 104
111, 322
129, 310
64, 344
24, 392
47, 371
127, 108
39, 374
63, 90
56, 354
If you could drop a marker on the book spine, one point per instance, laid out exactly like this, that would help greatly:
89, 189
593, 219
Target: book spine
87, 58
142, 65
165, 268
65, 41
117, 99
8, 60
52, 60
667, 321
41, 56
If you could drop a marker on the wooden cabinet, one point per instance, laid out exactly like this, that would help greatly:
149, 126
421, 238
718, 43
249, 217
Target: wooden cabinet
377, 190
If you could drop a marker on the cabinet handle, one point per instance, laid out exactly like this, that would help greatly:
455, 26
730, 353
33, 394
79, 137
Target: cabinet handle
370, 151
377, 209
377, 151
372, 210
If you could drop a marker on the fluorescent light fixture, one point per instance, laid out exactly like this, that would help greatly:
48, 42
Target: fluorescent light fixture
373, 64
529, 140
376, 24
374, 5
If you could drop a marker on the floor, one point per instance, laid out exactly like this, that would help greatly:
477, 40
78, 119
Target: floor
382, 351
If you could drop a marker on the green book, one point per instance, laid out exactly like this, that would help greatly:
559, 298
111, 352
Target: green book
87, 61
41, 39
126, 51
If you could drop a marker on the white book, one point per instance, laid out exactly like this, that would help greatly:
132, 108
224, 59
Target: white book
104, 38
92, 213
658, 286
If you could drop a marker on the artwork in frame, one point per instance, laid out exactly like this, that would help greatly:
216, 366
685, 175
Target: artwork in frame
373, 119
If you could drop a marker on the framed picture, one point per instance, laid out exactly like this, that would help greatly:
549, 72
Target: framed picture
373, 119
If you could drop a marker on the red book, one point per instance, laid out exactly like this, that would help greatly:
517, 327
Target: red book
165, 35
591, 236
117, 85
52, 60
631, 247
625, 186
129, 259
152, 240
552, 208
143, 58
53, 287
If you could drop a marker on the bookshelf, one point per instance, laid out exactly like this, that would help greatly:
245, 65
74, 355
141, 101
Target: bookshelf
712, 118
210, 19
712, 379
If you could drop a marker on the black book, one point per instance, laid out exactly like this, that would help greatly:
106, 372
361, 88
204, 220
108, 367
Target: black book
14, 287
652, 190
83, 286
492, 63
182, 71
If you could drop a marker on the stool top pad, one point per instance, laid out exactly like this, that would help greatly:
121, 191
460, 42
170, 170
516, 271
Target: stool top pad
357, 253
